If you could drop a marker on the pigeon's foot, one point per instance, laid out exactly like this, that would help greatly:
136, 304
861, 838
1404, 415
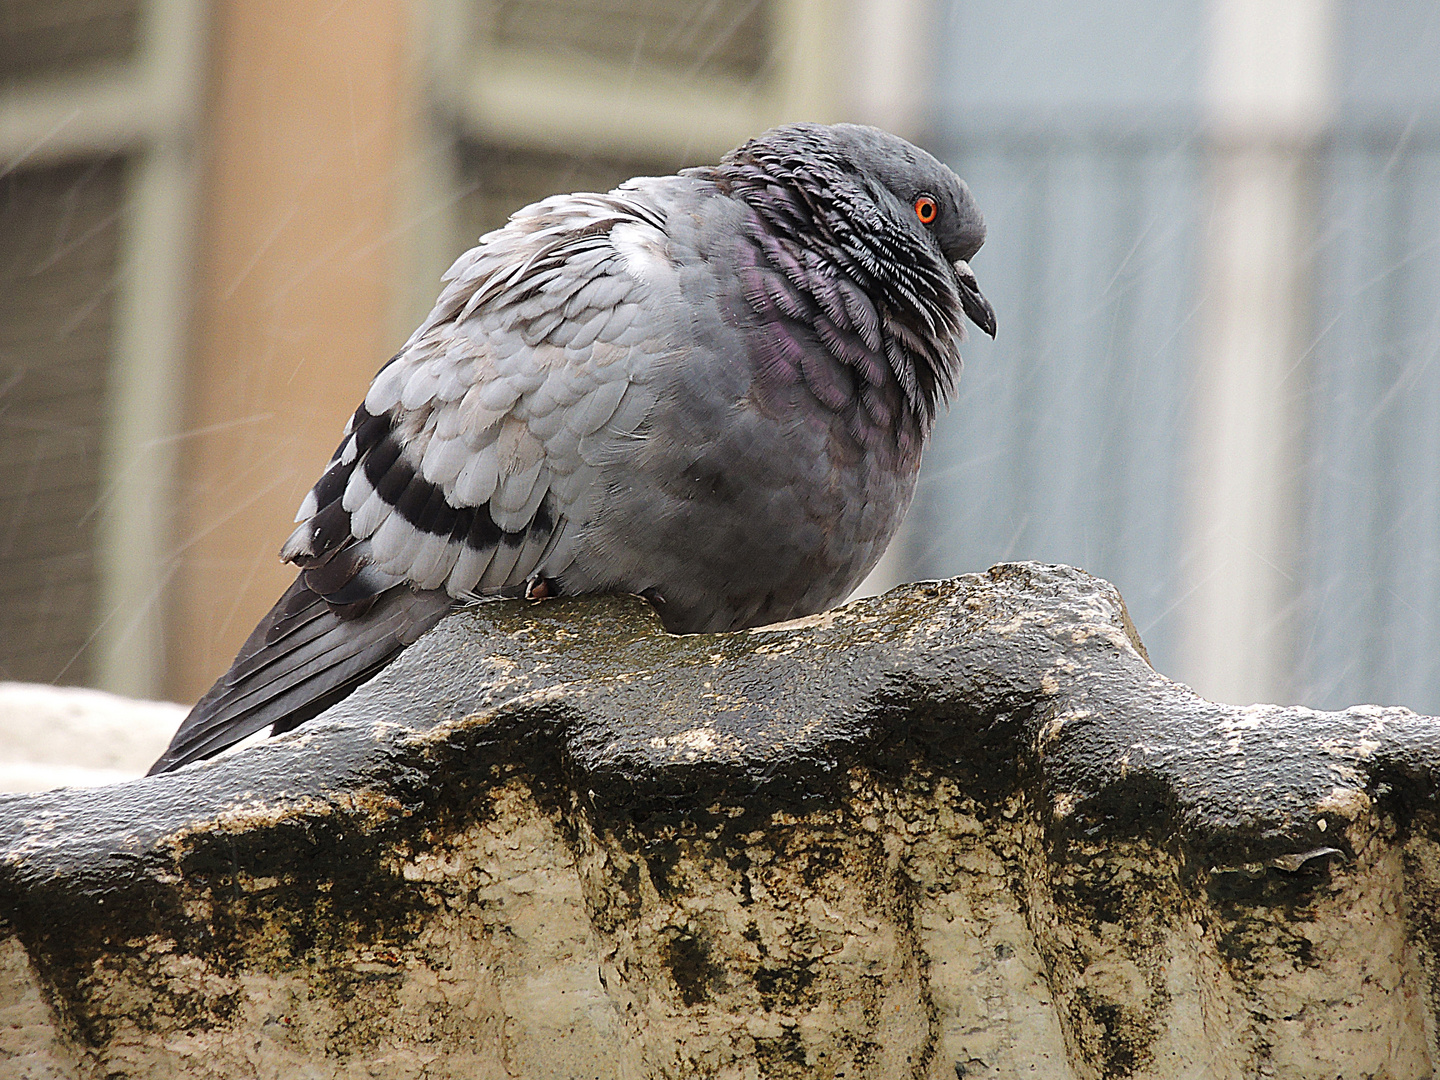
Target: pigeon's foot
541, 588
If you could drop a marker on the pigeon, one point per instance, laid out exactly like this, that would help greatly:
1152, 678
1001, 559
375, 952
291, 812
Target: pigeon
709, 389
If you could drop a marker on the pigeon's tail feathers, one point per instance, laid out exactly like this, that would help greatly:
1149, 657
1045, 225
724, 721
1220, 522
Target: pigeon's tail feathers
305, 656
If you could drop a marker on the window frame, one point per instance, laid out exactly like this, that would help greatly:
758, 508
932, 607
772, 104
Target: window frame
146, 111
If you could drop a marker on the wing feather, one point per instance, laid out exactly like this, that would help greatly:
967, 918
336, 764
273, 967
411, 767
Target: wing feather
283, 682
443, 460
461, 474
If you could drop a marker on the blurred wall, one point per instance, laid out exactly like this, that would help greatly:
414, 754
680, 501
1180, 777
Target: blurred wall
294, 282
1212, 250
101, 108
353, 151
218, 220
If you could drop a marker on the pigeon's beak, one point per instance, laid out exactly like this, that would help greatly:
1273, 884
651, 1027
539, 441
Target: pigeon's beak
975, 305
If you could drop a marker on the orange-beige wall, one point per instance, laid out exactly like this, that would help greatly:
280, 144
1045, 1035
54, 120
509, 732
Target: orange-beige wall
294, 281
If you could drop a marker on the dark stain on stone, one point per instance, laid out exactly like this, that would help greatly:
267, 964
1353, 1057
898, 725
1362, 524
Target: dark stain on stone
783, 986
664, 857
631, 902
782, 1056
1259, 886
1121, 1040
688, 959
820, 860
1120, 1054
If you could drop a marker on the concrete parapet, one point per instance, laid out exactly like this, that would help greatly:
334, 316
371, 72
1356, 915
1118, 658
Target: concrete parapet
962, 830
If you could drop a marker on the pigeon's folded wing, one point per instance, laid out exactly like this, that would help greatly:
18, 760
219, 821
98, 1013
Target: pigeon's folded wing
471, 463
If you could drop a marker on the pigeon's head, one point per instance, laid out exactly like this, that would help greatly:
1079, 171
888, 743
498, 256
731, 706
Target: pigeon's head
923, 196
883, 201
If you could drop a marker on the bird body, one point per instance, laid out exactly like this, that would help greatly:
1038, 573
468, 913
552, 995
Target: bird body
710, 389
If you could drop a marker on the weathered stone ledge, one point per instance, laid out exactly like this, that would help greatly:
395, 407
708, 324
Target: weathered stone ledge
962, 830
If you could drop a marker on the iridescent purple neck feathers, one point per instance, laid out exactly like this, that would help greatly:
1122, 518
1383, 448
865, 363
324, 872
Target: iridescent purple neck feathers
837, 257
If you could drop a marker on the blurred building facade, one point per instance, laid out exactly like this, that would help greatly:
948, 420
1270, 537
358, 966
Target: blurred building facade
1213, 247
1213, 232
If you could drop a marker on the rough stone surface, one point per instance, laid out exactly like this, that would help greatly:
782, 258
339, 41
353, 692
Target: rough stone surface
959, 831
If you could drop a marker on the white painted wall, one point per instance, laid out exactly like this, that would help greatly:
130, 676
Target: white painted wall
66, 737
1268, 97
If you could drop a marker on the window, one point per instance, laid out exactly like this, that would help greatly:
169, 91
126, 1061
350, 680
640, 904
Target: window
97, 101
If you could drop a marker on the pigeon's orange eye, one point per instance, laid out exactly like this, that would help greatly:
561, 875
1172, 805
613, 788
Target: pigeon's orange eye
926, 210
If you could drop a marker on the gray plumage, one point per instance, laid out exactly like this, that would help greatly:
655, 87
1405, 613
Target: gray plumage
710, 389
